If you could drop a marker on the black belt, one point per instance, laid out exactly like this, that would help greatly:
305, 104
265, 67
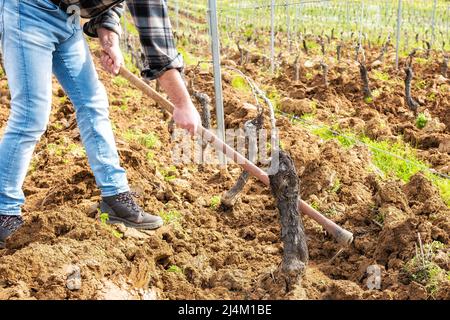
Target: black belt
61, 5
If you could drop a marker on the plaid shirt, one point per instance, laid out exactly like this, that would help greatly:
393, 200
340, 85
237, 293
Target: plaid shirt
152, 22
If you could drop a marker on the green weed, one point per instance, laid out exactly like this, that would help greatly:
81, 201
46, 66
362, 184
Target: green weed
147, 140
170, 217
421, 121
422, 84
169, 174
175, 269
380, 75
214, 202
336, 186
239, 83
104, 217
423, 270
368, 99
120, 81
387, 156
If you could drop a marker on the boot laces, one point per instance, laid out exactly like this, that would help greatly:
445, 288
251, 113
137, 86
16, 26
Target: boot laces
11, 223
126, 198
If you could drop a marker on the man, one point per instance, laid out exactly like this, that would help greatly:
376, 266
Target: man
38, 37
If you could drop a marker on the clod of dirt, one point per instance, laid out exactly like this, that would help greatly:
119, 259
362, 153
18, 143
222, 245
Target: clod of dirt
355, 124
376, 128
397, 237
444, 146
344, 290
296, 106
391, 194
230, 279
423, 196
417, 291
318, 176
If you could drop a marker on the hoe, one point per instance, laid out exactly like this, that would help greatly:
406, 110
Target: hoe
342, 236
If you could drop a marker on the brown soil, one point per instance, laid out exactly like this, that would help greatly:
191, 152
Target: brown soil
221, 255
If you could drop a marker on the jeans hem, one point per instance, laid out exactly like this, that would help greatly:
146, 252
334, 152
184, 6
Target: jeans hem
10, 213
115, 192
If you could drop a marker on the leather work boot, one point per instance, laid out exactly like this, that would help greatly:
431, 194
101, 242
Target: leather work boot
123, 208
8, 225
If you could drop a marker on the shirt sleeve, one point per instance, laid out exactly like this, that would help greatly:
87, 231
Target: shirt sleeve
155, 32
109, 20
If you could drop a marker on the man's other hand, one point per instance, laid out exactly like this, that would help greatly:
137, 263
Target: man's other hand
112, 58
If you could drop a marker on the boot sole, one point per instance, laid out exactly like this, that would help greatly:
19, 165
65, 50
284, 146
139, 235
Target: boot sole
141, 226
117, 220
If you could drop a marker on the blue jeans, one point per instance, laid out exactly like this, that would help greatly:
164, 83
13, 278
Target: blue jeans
36, 40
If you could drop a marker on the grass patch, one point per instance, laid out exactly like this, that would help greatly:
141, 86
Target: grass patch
423, 270
169, 174
76, 150
443, 185
336, 186
421, 61
239, 83
147, 140
422, 84
175, 269
130, 27
421, 121
387, 156
308, 117
170, 217
64, 100
368, 100
129, 64
309, 76
104, 217
64, 147
315, 205
55, 149
119, 81
275, 97
188, 58
390, 164
380, 75
379, 217
404, 170
214, 202
348, 140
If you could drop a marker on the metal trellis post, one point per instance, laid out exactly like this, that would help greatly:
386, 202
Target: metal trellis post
399, 22
288, 24
433, 23
272, 36
215, 48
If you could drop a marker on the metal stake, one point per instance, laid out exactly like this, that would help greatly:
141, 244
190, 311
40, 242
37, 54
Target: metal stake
399, 22
215, 48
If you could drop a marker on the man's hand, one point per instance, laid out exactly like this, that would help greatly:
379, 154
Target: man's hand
112, 58
187, 117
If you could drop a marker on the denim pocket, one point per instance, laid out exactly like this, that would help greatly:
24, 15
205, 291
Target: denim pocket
46, 5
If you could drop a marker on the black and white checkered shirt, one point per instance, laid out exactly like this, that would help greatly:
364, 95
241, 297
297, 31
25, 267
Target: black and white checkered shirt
152, 21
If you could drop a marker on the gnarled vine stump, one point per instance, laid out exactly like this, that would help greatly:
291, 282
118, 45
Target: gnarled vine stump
285, 187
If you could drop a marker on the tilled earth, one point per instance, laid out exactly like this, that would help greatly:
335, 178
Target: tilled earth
206, 252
